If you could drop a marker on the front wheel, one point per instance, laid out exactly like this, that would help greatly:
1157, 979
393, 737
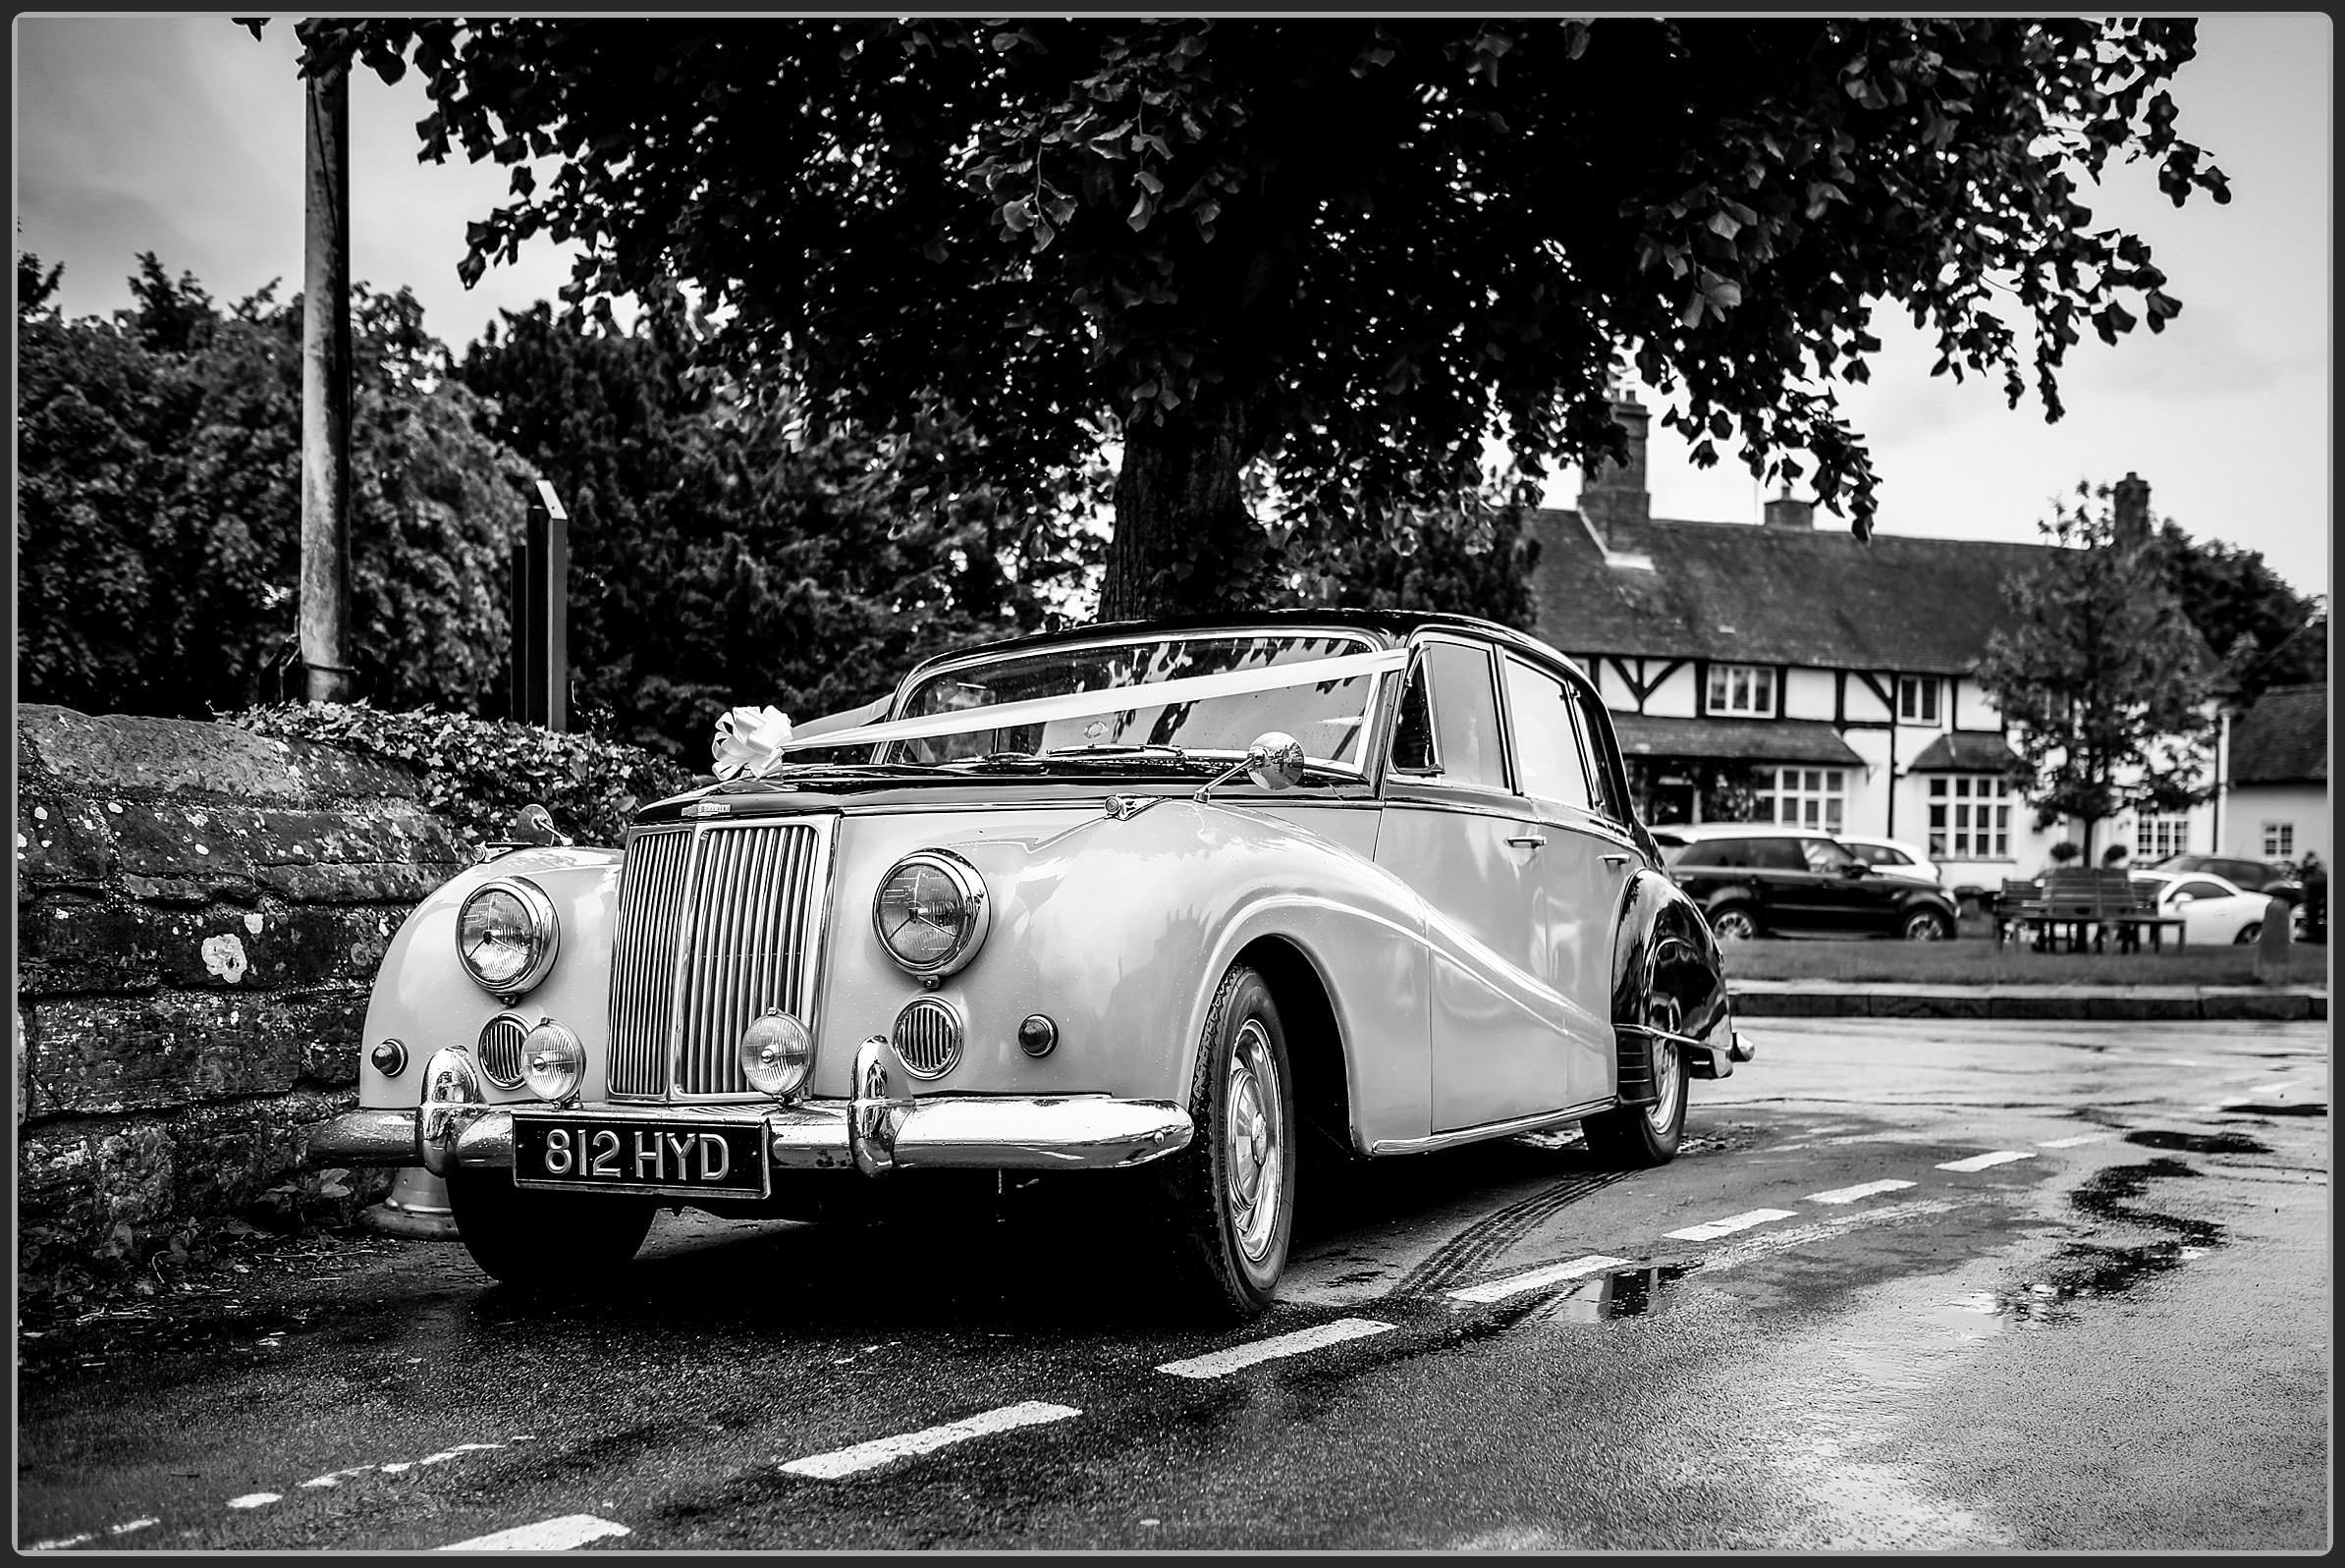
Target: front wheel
1646, 1135
2251, 931
555, 1242
1230, 1195
1928, 925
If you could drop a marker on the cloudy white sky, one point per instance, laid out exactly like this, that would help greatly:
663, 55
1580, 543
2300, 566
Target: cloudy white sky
180, 135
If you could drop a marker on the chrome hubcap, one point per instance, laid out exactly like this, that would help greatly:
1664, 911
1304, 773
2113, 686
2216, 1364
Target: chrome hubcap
1250, 1137
1733, 926
1667, 1070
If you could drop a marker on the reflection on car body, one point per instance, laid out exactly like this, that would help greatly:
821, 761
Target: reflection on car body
1172, 897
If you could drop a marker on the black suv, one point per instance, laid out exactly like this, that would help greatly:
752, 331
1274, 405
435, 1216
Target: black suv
1755, 879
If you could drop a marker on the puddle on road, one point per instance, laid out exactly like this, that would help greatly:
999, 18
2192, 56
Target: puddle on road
2083, 1271
2198, 1143
1622, 1293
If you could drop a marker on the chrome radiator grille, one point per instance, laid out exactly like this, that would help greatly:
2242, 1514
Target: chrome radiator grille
717, 923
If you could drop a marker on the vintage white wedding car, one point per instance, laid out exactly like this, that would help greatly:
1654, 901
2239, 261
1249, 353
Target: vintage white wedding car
1176, 895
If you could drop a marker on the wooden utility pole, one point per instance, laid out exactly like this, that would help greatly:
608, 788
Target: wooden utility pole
325, 605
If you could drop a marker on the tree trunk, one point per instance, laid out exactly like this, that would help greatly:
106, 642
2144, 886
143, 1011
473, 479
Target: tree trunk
1184, 543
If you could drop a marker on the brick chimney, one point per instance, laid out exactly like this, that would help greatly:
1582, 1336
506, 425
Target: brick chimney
1785, 513
1615, 493
2131, 496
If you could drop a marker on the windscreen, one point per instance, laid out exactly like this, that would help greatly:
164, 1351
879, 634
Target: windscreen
1328, 717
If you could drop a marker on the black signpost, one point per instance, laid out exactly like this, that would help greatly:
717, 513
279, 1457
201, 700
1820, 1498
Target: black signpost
539, 668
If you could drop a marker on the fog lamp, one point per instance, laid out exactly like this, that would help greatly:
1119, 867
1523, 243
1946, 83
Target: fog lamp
390, 1058
776, 1055
553, 1062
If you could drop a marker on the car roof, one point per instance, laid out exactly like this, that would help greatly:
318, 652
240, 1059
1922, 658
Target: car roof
1393, 626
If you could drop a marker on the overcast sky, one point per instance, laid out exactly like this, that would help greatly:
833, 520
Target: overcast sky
180, 135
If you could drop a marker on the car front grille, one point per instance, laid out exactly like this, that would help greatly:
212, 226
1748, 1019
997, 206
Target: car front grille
501, 1050
718, 922
928, 1038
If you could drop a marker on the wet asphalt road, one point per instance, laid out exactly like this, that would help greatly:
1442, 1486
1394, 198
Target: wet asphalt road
2118, 1341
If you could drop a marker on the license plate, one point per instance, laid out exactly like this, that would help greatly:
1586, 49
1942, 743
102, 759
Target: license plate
638, 1154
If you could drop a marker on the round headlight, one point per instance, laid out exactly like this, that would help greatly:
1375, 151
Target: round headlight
553, 1062
776, 1055
931, 912
506, 935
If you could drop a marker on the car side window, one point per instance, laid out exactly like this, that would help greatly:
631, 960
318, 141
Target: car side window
1776, 854
1596, 739
1700, 854
1465, 716
1412, 726
2201, 890
1550, 761
1824, 855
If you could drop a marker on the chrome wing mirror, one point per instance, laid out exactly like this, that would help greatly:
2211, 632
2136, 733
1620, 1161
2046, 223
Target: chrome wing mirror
1275, 761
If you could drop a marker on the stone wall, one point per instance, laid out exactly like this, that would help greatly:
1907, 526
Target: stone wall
199, 914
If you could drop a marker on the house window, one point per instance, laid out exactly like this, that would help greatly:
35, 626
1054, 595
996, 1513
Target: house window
1970, 817
2154, 837
1808, 797
2279, 841
1916, 699
1742, 688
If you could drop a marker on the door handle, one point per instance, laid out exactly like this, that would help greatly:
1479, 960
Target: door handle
1615, 860
1529, 840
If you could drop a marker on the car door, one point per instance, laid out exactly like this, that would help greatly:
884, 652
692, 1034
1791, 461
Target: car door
1453, 829
2213, 912
1845, 894
1579, 872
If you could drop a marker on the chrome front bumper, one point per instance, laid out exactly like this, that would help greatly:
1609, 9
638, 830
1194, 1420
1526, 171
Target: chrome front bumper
876, 1131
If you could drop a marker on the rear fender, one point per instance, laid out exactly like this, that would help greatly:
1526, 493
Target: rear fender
1665, 947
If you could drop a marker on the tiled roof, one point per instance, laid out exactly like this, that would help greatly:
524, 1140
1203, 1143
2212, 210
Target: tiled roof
1734, 739
1967, 751
2283, 738
1810, 596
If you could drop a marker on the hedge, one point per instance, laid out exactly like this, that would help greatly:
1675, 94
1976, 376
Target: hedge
478, 771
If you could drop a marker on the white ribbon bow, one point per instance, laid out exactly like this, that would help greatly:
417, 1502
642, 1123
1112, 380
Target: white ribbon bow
750, 741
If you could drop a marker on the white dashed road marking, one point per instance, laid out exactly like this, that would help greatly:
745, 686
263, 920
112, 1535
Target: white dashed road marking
2071, 1143
883, 1451
1775, 1241
1730, 1225
1515, 1284
64, 1543
547, 1535
2000, 1157
254, 1499
1223, 1361
1852, 1194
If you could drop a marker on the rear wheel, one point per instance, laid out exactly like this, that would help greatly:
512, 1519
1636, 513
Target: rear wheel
1229, 1197
1928, 925
554, 1241
2253, 931
1646, 1135
1733, 922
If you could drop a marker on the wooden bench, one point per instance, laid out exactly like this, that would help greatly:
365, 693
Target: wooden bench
2017, 907
2083, 907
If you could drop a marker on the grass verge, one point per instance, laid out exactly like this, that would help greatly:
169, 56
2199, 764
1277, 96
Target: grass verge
1976, 962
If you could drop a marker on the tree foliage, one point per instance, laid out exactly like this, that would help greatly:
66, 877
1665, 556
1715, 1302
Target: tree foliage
2106, 686
158, 522
1346, 252
723, 553
2266, 632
